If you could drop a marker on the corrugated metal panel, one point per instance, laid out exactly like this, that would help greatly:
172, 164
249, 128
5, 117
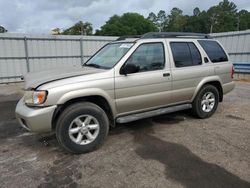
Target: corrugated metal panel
44, 52
44, 64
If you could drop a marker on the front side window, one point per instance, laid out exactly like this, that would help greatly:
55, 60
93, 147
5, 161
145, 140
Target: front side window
148, 57
214, 51
185, 54
109, 55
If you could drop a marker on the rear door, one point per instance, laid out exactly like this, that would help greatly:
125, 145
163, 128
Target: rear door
188, 68
151, 86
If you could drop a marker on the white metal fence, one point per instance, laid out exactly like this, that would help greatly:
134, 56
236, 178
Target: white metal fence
20, 54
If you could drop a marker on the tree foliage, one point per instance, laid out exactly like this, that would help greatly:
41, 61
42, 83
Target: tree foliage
56, 31
159, 20
80, 28
219, 18
243, 20
2, 29
127, 24
222, 17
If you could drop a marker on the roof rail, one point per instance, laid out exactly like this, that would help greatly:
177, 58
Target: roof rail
128, 36
153, 35
175, 35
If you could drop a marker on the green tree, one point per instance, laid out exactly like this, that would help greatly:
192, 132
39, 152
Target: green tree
127, 24
80, 28
2, 29
197, 22
196, 12
223, 17
56, 31
159, 20
152, 17
176, 21
243, 20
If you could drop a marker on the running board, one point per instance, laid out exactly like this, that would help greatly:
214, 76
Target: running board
134, 117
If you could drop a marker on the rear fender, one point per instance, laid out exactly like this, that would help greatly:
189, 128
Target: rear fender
203, 82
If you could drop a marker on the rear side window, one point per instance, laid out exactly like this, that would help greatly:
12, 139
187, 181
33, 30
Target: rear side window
185, 54
214, 51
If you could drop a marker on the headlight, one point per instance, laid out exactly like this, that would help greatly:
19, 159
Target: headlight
35, 97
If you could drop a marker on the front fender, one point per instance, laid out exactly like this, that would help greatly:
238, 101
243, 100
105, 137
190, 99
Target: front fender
86, 93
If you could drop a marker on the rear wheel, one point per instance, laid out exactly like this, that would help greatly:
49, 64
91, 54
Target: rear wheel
82, 127
206, 102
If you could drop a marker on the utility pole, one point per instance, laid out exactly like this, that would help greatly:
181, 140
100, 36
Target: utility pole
81, 29
238, 22
213, 22
211, 28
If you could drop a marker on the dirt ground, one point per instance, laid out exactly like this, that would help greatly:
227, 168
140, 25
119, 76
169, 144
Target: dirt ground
174, 150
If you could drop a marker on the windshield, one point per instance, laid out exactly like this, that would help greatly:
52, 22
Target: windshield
109, 55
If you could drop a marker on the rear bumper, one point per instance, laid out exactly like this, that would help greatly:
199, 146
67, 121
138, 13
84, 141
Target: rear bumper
35, 119
228, 87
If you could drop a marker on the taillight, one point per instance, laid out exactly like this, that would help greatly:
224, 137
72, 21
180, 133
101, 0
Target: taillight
232, 72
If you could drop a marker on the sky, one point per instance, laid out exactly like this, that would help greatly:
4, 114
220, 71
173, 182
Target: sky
41, 16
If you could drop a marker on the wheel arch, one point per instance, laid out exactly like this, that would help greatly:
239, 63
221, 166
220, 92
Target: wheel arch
216, 82
99, 100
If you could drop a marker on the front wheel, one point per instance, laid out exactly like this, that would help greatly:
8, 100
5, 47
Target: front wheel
206, 102
82, 127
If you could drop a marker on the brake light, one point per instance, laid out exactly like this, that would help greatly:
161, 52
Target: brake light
232, 72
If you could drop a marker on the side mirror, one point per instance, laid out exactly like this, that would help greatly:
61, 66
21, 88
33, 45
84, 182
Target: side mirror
129, 69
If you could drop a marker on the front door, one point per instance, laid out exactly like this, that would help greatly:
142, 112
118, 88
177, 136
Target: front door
150, 87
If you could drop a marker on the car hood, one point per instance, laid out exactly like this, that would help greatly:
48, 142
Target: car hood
35, 79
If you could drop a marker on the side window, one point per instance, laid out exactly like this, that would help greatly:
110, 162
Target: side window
148, 57
214, 51
196, 56
185, 54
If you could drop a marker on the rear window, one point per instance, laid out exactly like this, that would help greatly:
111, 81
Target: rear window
214, 51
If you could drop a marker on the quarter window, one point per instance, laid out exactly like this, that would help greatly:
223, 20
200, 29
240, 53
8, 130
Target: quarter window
214, 51
148, 57
185, 54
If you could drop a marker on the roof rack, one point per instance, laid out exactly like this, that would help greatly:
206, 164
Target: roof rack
128, 36
152, 35
174, 35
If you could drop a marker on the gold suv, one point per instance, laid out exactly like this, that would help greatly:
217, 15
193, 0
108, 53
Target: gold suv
126, 80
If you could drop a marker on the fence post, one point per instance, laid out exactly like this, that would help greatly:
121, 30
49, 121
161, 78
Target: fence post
81, 51
26, 54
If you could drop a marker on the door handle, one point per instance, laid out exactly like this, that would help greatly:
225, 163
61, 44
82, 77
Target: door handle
166, 74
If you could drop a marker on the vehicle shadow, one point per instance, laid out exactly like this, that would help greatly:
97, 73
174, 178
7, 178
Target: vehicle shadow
181, 165
185, 167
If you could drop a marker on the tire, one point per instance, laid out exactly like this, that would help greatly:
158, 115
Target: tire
202, 106
77, 123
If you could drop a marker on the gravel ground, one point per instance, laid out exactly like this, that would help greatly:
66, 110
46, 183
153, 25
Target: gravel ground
174, 150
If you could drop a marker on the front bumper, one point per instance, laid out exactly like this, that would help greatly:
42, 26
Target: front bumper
35, 119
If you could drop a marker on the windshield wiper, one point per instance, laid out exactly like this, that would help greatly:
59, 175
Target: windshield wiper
93, 65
